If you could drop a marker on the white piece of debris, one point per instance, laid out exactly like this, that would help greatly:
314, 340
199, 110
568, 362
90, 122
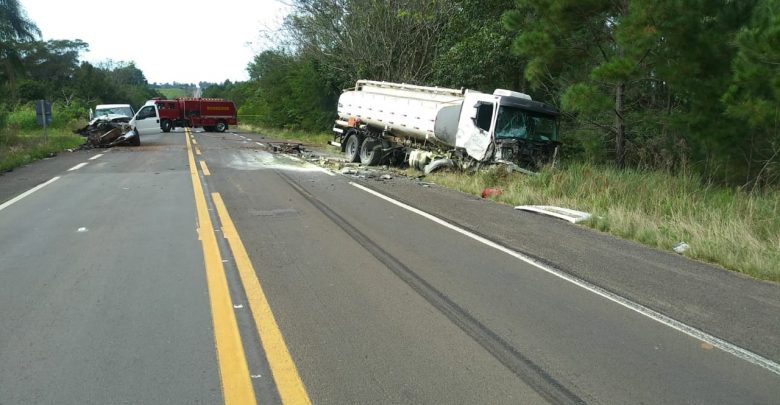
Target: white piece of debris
239, 306
565, 214
680, 247
386, 177
82, 229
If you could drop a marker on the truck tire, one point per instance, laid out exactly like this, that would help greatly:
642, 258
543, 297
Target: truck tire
352, 148
166, 125
370, 152
221, 126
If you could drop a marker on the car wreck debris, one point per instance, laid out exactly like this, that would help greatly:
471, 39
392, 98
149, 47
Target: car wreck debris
286, 147
492, 192
107, 131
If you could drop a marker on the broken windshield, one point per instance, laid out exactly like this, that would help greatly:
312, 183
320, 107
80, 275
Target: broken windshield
513, 122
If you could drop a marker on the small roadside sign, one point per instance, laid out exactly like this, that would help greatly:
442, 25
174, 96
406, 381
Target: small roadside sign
43, 111
43, 116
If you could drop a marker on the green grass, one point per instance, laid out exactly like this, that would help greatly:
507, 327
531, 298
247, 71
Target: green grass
18, 149
735, 229
310, 138
173, 92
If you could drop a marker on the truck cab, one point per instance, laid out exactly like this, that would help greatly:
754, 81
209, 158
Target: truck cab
508, 126
147, 120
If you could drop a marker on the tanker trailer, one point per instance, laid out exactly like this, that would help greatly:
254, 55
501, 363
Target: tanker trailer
431, 127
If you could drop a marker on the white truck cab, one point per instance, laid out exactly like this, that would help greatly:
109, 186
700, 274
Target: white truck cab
111, 111
147, 120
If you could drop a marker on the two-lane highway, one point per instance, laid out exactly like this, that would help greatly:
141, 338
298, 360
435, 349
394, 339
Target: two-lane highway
202, 268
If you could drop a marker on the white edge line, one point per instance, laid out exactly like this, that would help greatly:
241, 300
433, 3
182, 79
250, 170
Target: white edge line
78, 166
727, 347
26, 193
96, 156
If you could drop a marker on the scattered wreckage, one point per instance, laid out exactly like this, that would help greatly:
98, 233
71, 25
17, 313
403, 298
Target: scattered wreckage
110, 130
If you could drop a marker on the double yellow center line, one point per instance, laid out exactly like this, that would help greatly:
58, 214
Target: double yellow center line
234, 372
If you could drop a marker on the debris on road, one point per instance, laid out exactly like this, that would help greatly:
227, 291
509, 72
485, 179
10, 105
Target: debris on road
681, 247
286, 147
492, 192
104, 132
566, 214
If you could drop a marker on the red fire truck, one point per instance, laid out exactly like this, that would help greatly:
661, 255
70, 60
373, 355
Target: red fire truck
213, 114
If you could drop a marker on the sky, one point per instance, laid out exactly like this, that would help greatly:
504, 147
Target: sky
169, 40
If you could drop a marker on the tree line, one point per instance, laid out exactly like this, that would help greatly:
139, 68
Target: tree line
32, 69
669, 85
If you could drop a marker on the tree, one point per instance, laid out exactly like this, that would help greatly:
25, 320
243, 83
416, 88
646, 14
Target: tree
50, 65
288, 91
753, 95
647, 75
555, 34
369, 39
474, 49
15, 28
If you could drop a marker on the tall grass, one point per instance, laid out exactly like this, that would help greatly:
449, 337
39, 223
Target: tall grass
22, 140
730, 227
18, 149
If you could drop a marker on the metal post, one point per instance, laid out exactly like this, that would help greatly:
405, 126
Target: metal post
45, 130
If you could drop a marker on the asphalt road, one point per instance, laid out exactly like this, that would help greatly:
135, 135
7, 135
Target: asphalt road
123, 281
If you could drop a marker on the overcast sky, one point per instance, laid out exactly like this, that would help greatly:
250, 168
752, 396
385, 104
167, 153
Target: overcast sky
170, 40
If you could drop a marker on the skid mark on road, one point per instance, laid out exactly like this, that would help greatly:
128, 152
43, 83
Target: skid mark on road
727, 347
523, 367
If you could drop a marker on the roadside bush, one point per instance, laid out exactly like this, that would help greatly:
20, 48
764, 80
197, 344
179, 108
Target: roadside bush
22, 118
69, 116
66, 117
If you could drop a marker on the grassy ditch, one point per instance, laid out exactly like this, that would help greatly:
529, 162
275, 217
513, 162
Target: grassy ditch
735, 229
18, 149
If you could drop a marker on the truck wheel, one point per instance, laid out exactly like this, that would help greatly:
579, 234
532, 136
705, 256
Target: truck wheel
352, 148
370, 152
165, 125
221, 126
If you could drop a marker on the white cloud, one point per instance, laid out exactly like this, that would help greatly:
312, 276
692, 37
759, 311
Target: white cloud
183, 41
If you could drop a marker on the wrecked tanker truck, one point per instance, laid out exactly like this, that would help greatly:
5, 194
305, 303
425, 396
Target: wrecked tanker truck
434, 127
